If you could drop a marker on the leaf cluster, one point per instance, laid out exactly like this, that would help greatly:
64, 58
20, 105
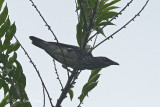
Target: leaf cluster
12, 79
92, 16
92, 83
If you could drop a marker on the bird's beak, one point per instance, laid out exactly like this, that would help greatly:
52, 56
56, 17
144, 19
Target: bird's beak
115, 63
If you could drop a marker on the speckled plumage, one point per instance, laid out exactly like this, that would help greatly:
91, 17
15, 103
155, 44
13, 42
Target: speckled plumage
75, 58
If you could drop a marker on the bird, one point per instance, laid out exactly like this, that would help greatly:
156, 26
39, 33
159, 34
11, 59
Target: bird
72, 56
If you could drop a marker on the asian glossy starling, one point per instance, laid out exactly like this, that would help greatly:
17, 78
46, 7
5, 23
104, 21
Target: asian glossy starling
74, 56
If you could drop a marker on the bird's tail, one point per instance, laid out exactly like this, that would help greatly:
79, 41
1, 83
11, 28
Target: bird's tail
37, 42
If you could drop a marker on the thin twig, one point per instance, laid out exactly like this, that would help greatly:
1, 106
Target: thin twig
44, 97
50, 99
95, 41
57, 74
124, 26
49, 28
119, 13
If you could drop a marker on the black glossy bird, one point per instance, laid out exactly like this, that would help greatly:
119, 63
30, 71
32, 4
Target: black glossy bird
74, 57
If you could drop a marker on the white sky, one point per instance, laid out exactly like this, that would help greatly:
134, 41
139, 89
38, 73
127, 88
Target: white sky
135, 83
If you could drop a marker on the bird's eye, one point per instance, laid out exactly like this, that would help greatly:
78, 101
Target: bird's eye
105, 59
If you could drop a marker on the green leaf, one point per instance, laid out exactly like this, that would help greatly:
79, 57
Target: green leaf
13, 96
5, 87
1, 48
6, 44
12, 59
4, 102
9, 35
3, 58
108, 9
94, 78
106, 16
90, 87
3, 15
1, 3
105, 23
79, 35
21, 81
92, 83
111, 3
102, 2
91, 3
95, 72
4, 28
19, 76
0, 82
98, 29
70, 94
19, 67
86, 89
13, 47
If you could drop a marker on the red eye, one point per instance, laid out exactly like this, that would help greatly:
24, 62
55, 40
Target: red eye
105, 59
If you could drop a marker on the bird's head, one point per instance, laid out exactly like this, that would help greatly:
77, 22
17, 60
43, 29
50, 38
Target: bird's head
104, 62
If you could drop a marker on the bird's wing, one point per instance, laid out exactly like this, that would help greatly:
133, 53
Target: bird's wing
66, 45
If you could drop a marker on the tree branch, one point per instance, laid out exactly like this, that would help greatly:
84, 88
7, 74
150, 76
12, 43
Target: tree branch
57, 74
66, 88
49, 28
124, 26
50, 99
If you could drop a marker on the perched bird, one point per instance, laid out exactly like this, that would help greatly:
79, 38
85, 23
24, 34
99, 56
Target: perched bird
72, 56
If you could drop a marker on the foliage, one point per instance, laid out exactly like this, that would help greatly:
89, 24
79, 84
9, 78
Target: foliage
92, 16
12, 79
92, 82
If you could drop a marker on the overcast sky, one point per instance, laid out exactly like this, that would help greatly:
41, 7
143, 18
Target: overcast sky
135, 83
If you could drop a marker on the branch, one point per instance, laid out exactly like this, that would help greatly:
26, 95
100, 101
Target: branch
90, 25
66, 88
44, 99
119, 13
49, 28
57, 74
50, 99
124, 26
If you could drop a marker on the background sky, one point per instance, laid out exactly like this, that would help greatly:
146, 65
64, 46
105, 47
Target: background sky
135, 83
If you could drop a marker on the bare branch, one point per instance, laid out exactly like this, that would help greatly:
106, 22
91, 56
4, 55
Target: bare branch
124, 26
44, 99
57, 74
49, 28
50, 99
